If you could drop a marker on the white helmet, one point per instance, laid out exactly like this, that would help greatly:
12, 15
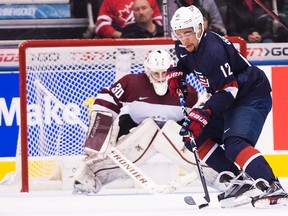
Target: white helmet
158, 61
186, 17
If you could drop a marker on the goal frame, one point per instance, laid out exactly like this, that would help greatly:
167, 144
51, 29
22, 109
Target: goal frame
73, 43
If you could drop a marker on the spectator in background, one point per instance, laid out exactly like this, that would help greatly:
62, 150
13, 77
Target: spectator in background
207, 23
280, 33
144, 26
114, 15
248, 20
211, 7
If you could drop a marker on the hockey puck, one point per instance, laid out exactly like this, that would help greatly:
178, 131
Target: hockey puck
203, 205
189, 200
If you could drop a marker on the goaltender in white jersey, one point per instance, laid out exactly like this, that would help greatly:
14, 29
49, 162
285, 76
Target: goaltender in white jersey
146, 120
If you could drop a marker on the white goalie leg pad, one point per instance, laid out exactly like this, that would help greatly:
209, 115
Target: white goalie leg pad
84, 178
169, 143
136, 146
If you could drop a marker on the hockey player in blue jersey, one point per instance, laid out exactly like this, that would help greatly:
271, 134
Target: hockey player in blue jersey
233, 116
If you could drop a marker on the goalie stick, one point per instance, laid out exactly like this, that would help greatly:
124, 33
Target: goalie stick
124, 163
189, 199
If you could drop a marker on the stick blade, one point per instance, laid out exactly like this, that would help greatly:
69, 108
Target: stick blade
191, 201
203, 205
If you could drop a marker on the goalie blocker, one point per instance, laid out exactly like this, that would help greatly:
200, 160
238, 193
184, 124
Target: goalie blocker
99, 133
97, 170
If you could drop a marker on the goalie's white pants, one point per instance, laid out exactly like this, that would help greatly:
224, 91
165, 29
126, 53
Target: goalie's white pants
139, 146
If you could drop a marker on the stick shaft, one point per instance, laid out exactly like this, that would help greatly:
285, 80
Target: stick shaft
194, 149
165, 18
271, 13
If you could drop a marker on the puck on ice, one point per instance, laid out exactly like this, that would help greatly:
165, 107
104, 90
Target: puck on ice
203, 205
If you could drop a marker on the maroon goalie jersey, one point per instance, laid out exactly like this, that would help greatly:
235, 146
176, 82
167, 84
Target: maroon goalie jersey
133, 94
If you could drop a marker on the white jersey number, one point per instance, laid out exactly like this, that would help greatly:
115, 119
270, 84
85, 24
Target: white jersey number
117, 90
226, 69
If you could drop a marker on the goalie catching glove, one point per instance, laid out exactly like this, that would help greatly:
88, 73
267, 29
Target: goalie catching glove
176, 80
197, 119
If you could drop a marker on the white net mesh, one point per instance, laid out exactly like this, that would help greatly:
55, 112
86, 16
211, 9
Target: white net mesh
62, 83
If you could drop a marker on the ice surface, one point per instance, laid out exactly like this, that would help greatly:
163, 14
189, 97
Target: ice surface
120, 202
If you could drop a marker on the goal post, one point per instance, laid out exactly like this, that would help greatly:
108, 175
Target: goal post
71, 73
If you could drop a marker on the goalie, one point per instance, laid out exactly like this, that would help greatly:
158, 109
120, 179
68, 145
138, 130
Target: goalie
139, 117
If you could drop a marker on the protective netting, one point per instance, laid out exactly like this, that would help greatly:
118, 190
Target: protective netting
62, 83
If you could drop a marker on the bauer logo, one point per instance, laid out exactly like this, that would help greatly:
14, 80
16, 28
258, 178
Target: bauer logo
48, 113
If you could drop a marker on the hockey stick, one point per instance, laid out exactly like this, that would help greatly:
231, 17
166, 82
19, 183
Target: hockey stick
91, 25
189, 199
271, 13
124, 163
165, 18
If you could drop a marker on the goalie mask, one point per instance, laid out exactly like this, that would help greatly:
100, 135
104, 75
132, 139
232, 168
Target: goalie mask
187, 17
156, 65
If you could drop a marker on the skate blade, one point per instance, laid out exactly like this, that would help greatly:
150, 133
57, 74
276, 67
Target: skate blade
244, 199
235, 202
271, 203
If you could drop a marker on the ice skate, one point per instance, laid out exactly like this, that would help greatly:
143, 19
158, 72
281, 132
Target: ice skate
239, 193
222, 181
273, 196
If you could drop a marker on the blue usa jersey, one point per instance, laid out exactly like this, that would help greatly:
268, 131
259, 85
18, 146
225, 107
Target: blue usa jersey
223, 71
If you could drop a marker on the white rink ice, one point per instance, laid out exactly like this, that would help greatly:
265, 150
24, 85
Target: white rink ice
120, 202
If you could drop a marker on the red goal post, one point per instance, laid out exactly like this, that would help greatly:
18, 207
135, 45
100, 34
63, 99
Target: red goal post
60, 77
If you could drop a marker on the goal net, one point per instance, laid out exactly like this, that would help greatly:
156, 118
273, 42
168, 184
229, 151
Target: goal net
59, 80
